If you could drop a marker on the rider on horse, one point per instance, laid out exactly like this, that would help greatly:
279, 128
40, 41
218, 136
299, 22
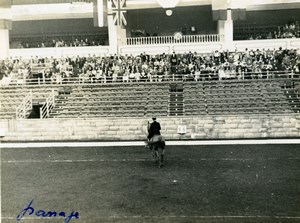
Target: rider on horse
155, 140
153, 128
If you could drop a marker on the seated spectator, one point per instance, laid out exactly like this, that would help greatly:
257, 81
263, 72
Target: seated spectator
126, 75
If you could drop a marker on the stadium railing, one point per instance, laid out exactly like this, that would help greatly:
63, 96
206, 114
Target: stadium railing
48, 105
25, 107
205, 77
152, 40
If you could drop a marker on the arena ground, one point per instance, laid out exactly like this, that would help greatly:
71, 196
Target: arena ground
234, 183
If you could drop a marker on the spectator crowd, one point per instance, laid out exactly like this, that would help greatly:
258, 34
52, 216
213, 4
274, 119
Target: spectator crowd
60, 42
290, 30
217, 65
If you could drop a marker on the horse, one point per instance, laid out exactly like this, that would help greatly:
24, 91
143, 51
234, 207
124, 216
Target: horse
157, 146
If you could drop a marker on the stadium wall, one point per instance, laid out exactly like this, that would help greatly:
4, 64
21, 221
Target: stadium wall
118, 128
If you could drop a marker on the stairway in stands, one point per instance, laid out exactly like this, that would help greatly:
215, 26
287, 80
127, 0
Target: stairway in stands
176, 99
60, 100
292, 93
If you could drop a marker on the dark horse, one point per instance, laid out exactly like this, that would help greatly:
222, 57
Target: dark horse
157, 146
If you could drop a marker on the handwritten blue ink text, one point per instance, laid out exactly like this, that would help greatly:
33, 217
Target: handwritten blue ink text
44, 214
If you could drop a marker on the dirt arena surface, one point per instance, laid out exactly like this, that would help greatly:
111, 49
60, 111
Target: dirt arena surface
209, 184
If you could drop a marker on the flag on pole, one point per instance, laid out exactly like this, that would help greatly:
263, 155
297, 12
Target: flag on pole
118, 10
100, 13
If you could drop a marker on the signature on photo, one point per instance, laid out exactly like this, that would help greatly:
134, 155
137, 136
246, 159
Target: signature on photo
44, 214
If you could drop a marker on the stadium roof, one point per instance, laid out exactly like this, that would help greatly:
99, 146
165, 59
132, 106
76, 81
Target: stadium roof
61, 9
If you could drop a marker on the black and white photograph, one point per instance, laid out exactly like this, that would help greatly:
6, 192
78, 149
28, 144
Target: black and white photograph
150, 111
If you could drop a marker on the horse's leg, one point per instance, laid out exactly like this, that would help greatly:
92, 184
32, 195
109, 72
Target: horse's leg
154, 156
157, 159
162, 157
161, 146
155, 153
152, 152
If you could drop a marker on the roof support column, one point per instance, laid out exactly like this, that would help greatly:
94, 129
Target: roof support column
4, 43
225, 12
225, 29
117, 36
5, 26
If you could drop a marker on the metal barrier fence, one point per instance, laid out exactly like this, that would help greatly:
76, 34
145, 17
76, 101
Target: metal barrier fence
153, 78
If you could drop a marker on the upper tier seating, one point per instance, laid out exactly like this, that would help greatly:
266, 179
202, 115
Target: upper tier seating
271, 31
76, 40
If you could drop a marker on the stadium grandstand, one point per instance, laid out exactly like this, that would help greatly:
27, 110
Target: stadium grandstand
80, 79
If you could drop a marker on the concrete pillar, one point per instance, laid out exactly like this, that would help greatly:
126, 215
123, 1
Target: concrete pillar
5, 25
4, 44
112, 35
117, 36
225, 28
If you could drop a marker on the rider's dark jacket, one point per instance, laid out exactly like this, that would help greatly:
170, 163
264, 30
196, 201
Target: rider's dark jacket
154, 129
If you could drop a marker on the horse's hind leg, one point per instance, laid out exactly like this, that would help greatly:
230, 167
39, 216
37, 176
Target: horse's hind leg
161, 158
154, 153
157, 160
